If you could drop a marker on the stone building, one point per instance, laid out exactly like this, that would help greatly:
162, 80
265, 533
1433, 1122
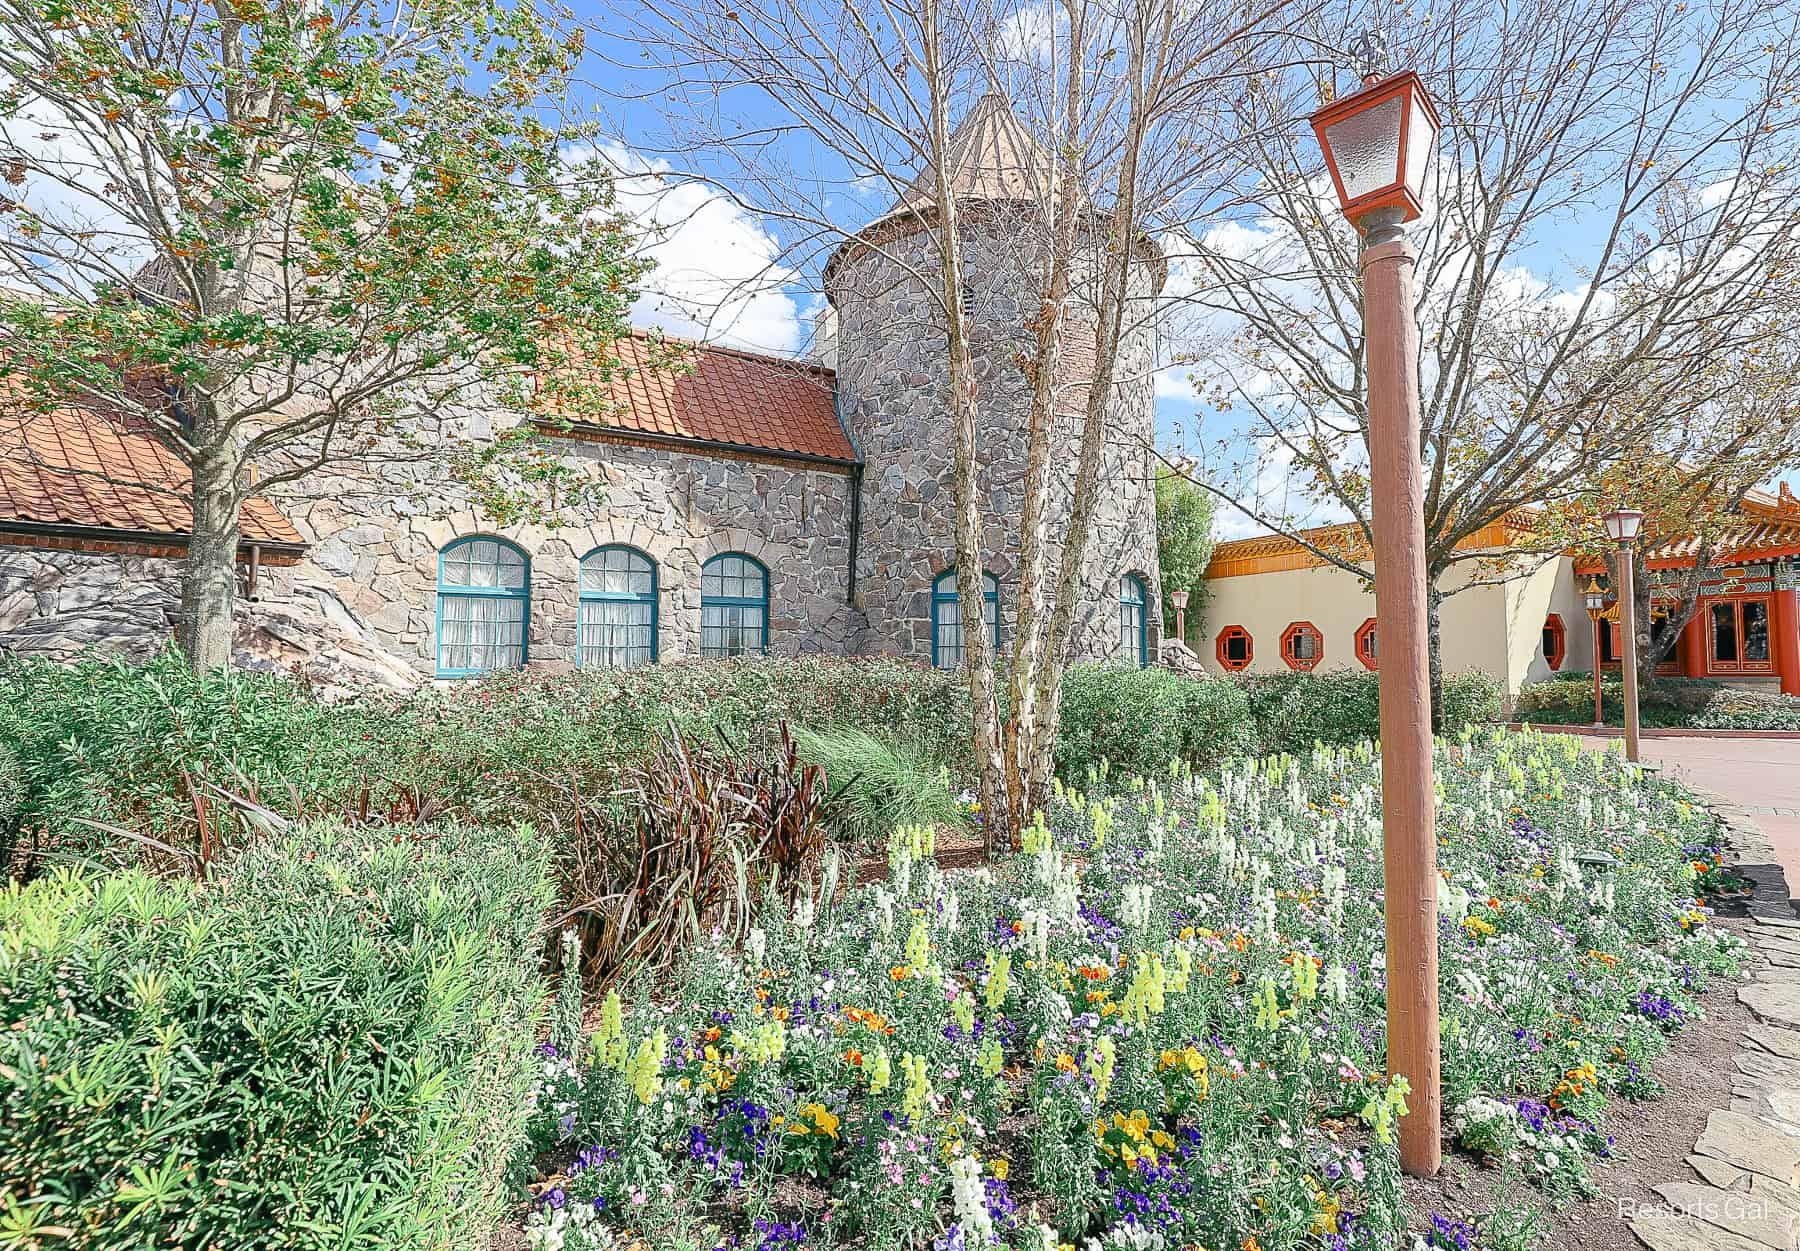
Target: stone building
751, 504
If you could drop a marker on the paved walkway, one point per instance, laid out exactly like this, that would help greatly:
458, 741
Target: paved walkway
1748, 1157
1760, 777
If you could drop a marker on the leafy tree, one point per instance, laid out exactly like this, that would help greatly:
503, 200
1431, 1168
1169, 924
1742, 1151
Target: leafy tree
271, 232
1184, 541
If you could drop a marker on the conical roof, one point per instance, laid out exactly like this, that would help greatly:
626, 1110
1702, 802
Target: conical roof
991, 157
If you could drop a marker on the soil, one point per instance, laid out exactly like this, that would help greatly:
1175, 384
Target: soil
1651, 1139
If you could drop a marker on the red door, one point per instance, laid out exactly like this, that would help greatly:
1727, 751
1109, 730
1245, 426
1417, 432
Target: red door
1737, 636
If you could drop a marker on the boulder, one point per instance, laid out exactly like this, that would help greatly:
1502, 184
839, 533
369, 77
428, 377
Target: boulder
315, 638
1176, 655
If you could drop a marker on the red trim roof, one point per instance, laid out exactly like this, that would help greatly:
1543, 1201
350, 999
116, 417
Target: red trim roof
722, 395
75, 466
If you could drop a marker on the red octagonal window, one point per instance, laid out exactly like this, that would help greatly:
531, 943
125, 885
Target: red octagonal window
1365, 644
1302, 646
1236, 649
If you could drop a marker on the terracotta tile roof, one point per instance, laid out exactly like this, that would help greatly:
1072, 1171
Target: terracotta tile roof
723, 395
76, 467
1273, 553
1755, 539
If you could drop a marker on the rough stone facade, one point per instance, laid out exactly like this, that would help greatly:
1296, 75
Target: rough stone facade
893, 393
375, 527
376, 531
56, 604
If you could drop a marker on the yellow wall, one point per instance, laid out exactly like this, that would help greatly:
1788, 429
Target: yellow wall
1497, 628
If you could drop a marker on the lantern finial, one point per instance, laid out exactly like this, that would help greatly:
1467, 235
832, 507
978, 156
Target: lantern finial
1371, 52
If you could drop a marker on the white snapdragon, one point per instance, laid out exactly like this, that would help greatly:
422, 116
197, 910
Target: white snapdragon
969, 1198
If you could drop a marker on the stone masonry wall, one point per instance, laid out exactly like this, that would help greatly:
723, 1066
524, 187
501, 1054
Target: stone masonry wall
376, 530
893, 389
56, 604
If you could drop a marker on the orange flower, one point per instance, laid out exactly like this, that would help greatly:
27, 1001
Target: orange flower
854, 1056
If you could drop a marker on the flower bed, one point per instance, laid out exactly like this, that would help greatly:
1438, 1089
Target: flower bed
1161, 1024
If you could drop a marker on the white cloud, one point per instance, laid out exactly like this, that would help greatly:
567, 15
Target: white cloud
719, 275
1028, 33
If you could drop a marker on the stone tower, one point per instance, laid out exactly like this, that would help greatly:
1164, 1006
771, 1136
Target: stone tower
893, 394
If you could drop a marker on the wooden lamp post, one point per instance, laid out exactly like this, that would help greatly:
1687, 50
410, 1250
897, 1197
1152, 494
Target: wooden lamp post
1377, 143
1622, 528
1180, 600
1595, 599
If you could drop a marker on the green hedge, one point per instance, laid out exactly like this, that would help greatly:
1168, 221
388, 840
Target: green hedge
1139, 719
130, 745
326, 1048
1675, 703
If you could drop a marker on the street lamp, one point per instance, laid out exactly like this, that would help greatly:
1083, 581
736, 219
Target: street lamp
1180, 599
1595, 598
1377, 142
1622, 528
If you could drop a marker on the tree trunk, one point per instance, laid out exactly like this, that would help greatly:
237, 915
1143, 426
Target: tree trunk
209, 574
1434, 632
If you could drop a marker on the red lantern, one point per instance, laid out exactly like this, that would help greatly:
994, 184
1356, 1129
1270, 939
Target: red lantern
1377, 143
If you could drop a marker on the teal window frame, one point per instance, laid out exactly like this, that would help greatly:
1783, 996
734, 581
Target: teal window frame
587, 597
944, 595
1134, 597
726, 602
447, 591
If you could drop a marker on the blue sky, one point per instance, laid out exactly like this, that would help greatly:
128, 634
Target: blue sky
718, 245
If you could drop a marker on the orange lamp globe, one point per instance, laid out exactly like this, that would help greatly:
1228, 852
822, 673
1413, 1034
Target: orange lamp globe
1377, 145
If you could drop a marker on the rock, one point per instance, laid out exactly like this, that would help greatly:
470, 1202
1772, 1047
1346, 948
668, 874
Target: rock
1176, 655
1778, 1002
315, 638
1663, 1232
1750, 1144
1725, 1176
1775, 1041
1768, 1070
1779, 923
1734, 1211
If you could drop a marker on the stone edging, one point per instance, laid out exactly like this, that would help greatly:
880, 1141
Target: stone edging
1613, 731
1748, 1156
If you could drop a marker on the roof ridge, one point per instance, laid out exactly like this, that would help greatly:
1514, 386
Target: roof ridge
646, 332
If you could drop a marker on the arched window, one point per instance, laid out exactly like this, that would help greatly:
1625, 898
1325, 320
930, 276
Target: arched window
1365, 644
1235, 648
1556, 641
1134, 628
483, 604
734, 606
616, 621
946, 617
1302, 646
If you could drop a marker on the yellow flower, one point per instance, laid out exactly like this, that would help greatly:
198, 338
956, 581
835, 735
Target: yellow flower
1001, 1168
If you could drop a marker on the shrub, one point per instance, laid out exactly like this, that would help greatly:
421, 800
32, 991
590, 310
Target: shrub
1698, 703
12, 795
711, 832
153, 748
886, 784
143, 745
1141, 719
325, 1048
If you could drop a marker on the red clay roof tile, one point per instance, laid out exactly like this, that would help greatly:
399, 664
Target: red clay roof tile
74, 466
722, 395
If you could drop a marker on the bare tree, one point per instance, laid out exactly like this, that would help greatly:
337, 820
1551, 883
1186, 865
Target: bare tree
264, 232
1611, 208
1119, 131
